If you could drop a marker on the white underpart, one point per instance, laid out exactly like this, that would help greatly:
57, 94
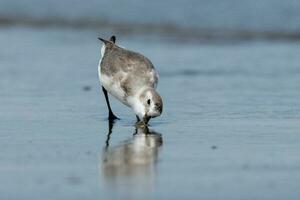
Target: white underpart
114, 87
136, 104
99, 66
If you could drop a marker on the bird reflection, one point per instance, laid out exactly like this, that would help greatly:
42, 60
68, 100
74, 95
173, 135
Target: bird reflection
132, 162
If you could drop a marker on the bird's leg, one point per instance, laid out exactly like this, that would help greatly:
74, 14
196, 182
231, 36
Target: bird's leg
137, 119
111, 115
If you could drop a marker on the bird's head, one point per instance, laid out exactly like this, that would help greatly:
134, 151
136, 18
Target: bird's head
148, 105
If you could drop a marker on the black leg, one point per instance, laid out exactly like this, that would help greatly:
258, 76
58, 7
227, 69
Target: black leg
111, 115
137, 119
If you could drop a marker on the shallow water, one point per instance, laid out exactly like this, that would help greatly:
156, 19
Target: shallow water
230, 127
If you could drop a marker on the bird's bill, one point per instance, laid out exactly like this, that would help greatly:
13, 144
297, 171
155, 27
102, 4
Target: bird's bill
146, 119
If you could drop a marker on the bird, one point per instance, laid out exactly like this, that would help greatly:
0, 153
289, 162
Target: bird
131, 78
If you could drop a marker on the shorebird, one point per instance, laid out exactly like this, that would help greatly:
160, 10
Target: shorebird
131, 78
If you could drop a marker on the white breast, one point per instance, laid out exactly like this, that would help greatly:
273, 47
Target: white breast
113, 86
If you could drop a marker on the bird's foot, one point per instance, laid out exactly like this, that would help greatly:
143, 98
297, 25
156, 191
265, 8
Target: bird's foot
141, 124
112, 117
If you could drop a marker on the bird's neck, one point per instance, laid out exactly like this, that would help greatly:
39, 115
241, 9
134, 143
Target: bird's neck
136, 102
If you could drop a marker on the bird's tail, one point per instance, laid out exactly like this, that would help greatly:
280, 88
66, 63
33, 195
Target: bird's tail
107, 43
112, 39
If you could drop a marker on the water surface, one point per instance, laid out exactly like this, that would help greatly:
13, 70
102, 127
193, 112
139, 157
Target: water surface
230, 127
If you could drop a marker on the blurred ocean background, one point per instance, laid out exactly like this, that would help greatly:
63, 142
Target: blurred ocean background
193, 19
230, 80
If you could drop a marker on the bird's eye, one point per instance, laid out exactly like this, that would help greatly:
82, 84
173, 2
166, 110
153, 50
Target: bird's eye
148, 101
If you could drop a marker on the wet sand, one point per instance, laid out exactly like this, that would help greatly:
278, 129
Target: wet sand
230, 128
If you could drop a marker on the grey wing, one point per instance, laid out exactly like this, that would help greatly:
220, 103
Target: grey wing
131, 68
140, 67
